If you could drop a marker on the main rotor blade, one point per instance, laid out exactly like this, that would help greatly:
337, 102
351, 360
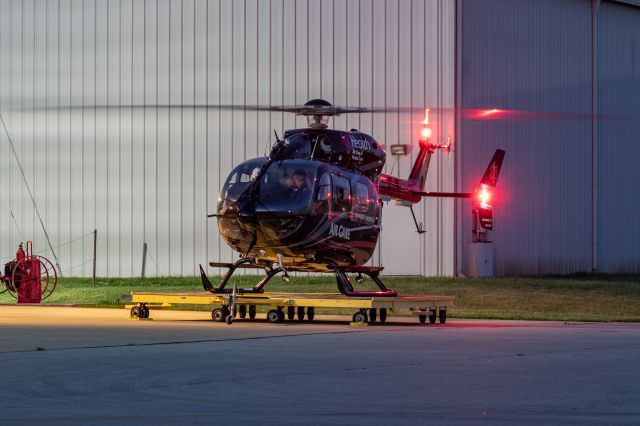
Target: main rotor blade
472, 114
295, 109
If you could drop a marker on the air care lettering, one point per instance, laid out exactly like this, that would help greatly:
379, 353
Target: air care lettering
340, 231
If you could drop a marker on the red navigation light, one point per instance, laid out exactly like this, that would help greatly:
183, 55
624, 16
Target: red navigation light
484, 196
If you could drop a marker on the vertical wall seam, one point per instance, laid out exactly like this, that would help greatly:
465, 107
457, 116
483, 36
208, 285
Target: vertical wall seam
182, 136
595, 6
144, 130
120, 138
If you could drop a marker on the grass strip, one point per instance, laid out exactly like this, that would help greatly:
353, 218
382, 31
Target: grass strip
564, 298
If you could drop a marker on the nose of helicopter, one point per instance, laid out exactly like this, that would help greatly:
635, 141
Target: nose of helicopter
239, 234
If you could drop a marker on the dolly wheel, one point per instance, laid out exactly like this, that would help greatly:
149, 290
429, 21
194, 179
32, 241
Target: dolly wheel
229, 319
442, 316
243, 311
311, 313
373, 314
275, 316
135, 312
252, 311
291, 313
432, 316
218, 315
383, 314
360, 317
144, 312
300, 313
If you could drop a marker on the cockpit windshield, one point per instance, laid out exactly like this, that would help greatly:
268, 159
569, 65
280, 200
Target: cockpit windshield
287, 186
239, 180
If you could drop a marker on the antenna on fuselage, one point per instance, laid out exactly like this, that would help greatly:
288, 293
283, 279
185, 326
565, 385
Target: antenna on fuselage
266, 145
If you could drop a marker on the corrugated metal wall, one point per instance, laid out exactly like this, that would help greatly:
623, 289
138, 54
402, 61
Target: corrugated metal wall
619, 140
530, 55
537, 55
149, 174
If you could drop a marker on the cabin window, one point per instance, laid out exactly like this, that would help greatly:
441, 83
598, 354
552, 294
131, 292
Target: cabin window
324, 188
361, 198
321, 204
373, 201
341, 196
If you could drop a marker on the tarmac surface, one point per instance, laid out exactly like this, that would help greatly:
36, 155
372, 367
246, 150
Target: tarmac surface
61, 365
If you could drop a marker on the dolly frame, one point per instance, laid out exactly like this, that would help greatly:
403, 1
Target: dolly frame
369, 309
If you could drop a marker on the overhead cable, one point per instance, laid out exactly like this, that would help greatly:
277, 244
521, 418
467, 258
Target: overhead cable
26, 184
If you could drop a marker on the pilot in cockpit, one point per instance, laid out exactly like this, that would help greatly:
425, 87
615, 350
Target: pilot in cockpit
299, 188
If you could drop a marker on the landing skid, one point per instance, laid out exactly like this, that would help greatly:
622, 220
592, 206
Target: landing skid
241, 263
345, 286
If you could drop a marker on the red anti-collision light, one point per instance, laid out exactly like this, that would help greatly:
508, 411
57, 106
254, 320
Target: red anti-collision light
484, 196
425, 133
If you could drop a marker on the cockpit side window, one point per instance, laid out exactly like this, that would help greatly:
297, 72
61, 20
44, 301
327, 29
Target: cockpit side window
341, 196
239, 180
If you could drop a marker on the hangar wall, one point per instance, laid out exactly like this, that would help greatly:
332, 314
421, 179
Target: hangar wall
537, 55
618, 243
150, 174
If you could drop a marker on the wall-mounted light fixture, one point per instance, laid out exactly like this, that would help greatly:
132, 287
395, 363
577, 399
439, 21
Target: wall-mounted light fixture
399, 149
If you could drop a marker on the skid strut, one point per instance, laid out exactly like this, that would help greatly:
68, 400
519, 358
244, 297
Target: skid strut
241, 263
345, 286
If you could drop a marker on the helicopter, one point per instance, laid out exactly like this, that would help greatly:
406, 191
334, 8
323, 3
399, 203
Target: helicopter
314, 203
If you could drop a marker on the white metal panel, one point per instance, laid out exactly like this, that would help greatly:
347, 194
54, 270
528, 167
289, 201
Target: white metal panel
152, 174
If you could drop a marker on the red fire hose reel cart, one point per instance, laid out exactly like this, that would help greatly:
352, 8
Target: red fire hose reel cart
29, 278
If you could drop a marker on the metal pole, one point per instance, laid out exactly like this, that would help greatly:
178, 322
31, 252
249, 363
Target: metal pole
95, 243
144, 258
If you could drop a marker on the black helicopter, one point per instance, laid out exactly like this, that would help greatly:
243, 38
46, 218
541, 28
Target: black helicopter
314, 204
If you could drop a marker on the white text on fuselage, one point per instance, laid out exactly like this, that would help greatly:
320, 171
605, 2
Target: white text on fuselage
340, 231
357, 146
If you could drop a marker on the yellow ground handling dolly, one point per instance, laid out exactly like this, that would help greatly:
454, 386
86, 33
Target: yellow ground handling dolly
292, 305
